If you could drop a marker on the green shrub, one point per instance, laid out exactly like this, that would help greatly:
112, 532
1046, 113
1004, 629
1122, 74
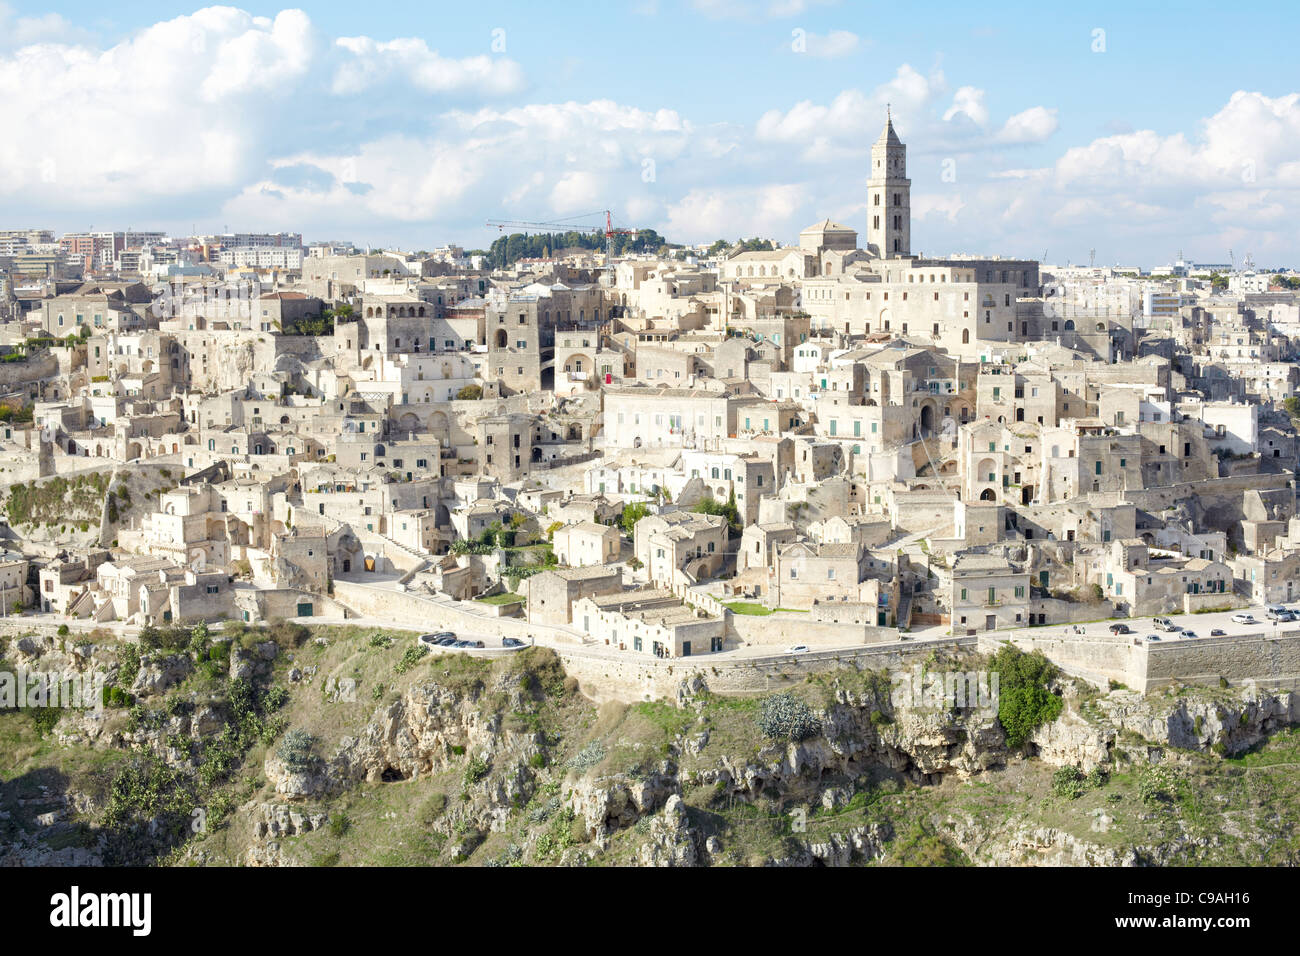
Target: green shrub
476, 770
1025, 701
45, 718
296, 751
410, 657
1069, 782
587, 757
786, 717
276, 698
115, 696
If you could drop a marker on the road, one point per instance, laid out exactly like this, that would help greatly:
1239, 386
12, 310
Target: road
492, 643
1201, 624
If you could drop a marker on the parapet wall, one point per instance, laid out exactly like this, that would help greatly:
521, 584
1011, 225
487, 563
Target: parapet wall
1271, 660
422, 613
604, 675
1097, 659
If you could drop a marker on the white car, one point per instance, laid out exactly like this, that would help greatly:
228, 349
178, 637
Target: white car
797, 649
1243, 619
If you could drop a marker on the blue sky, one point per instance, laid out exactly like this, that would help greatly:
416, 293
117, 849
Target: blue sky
410, 124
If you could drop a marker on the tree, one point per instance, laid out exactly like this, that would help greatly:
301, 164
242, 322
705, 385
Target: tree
1025, 698
470, 393
709, 506
632, 513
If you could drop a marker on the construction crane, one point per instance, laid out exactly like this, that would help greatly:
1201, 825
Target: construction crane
569, 224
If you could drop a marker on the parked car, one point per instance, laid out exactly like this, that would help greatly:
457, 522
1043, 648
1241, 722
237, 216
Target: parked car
447, 641
1273, 611
1120, 629
437, 638
1164, 624
1188, 633
1218, 632
511, 642
1243, 619
797, 649
475, 644
1153, 637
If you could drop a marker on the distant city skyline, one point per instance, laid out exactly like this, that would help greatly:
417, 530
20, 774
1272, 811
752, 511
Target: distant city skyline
402, 126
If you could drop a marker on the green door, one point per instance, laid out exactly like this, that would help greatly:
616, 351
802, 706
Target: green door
304, 609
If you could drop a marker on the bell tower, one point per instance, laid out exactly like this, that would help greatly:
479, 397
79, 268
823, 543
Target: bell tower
889, 197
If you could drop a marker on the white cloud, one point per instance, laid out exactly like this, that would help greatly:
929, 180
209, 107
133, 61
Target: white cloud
193, 105
853, 117
704, 214
831, 45
969, 102
1032, 126
756, 9
575, 191
409, 59
927, 205
48, 28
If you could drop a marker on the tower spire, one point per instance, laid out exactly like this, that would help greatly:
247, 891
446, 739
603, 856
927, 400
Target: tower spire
889, 226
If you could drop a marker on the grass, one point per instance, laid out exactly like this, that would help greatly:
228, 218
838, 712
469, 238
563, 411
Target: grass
507, 598
759, 610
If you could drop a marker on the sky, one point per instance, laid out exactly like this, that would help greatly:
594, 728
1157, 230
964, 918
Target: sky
1136, 130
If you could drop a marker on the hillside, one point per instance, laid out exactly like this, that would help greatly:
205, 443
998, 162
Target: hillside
340, 746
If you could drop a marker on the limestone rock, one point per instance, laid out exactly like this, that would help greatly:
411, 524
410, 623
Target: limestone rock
158, 675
